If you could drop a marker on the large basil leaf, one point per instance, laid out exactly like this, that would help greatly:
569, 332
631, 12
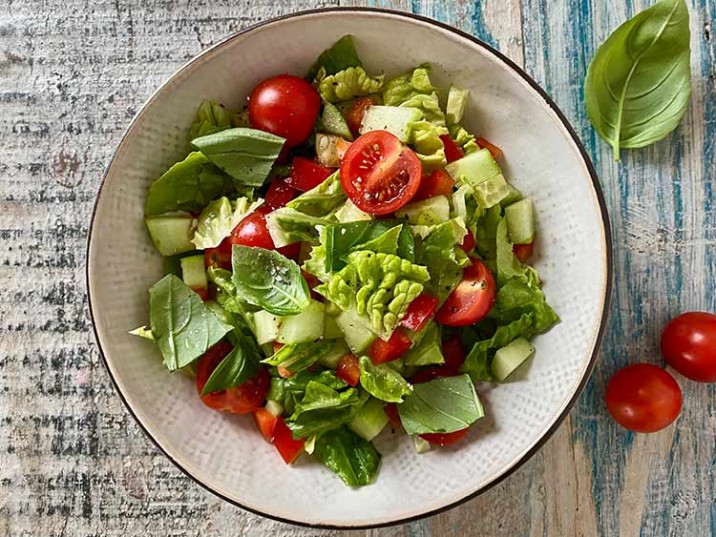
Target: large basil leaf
443, 405
350, 457
183, 326
639, 83
269, 280
237, 367
383, 382
227, 297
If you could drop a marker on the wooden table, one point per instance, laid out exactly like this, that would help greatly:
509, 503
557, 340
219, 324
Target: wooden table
72, 461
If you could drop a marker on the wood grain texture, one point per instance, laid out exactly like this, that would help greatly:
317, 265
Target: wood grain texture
74, 72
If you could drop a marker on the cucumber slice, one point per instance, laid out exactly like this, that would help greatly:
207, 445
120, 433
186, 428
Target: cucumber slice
357, 335
427, 212
193, 272
521, 221
331, 329
370, 420
171, 235
334, 122
274, 407
348, 212
491, 192
480, 171
420, 444
330, 359
304, 327
394, 119
266, 327
456, 102
513, 197
510, 357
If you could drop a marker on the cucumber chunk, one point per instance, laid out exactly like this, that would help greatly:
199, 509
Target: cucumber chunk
510, 357
357, 335
266, 327
334, 122
304, 327
394, 119
171, 235
370, 420
521, 221
480, 171
428, 212
193, 272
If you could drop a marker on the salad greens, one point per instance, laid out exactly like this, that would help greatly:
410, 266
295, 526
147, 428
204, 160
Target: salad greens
289, 297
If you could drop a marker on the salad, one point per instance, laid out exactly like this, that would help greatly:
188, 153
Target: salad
343, 257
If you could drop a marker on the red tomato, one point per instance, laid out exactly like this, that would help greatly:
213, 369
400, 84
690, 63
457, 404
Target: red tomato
643, 398
468, 243
385, 351
241, 399
266, 423
252, 231
472, 298
688, 343
495, 151
292, 251
279, 194
454, 352
286, 106
419, 312
311, 280
523, 251
349, 370
306, 174
452, 150
391, 409
431, 373
444, 439
203, 292
219, 256
379, 174
354, 116
288, 447
438, 183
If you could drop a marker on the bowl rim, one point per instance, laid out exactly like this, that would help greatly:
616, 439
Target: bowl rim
608, 244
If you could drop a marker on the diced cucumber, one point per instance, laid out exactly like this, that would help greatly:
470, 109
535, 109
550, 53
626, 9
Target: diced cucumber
331, 329
480, 171
456, 103
429, 212
266, 326
193, 272
171, 234
510, 357
274, 407
304, 327
489, 193
370, 420
421, 445
332, 308
331, 358
513, 197
334, 122
357, 335
394, 119
348, 212
521, 221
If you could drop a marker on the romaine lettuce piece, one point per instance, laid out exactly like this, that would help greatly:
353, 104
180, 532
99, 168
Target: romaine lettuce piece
322, 409
383, 382
406, 86
219, 218
463, 139
350, 457
444, 259
210, 118
347, 84
321, 200
456, 103
340, 56
286, 226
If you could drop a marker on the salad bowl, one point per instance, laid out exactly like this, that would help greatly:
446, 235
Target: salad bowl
543, 158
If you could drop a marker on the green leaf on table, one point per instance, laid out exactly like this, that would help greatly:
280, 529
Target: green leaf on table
638, 85
237, 367
383, 382
341, 55
350, 457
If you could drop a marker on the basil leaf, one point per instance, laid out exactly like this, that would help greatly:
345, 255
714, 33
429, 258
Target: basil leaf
289, 392
226, 295
210, 118
183, 326
323, 408
269, 280
443, 405
383, 382
341, 55
639, 83
237, 367
189, 185
350, 457
245, 154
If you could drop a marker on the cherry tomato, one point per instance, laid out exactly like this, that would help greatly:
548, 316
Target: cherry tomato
472, 299
495, 151
379, 174
219, 257
391, 409
286, 106
279, 194
444, 439
241, 399
386, 351
688, 343
306, 174
643, 398
523, 251
454, 352
438, 183
288, 447
266, 423
431, 373
349, 370
452, 150
354, 116
252, 231
203, 292
468, 243
419, 312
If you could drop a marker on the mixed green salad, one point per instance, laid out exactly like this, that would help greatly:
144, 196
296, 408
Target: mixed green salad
343, 256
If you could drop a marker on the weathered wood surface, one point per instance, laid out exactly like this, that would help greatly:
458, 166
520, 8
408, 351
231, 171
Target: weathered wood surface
72, 462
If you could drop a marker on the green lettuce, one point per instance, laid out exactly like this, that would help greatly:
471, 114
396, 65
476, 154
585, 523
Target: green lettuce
347, 84
218, 219
323, 408
350, 457
290, 391
463, 139
407, 86
287, 226
383, 382
210, 118
523, 295
321, 200
441, 254
429, 350
300, 356
340, 56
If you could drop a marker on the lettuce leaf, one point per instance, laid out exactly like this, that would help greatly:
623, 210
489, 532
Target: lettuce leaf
219, 218
210, 118
347, 84
289, 392
425, 138
444, 259
300, 356
406, 86
321, 200
352, 458
323, 408
340, 56
520, 296
383, 382
463, 139
287, 226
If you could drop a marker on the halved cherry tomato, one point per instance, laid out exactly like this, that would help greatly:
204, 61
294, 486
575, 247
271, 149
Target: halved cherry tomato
643, 398
286, 106
688, 343
349, 370
454, 352
452, 150
219, 257
391, 409
354, 116
379, 174
495, 151
288, 447
266, 423
523, 251
306, 174
431, 373
472, 299
241, 399
438, 183
468, 243
420, 310
385, 351
279, 194
445, 439
252, 231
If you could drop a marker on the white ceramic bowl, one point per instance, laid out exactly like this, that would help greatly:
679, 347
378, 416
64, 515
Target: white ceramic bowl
544, 158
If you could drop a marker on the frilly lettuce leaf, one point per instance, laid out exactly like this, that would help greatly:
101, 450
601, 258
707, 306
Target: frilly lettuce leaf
316, 263
219, 218
286, 226
383, 382
425, 138
341, 55
430, 106
463, 139
347, 84
211, 117
404, 87
321, 200
441, 254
